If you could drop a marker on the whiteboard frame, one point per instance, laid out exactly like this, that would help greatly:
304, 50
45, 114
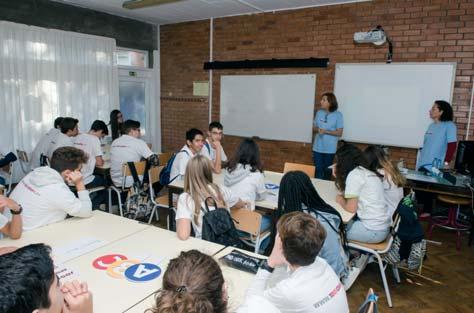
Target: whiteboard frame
454, 64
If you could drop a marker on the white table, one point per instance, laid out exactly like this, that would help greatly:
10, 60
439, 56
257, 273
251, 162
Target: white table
326, 189
237, 283
101, 226
154, 245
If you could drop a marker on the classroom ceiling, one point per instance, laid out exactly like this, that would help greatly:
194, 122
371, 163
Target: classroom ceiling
192, 10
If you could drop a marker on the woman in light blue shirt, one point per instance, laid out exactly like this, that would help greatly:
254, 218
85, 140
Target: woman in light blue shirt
328, 125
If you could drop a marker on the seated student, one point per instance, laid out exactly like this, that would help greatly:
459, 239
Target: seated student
90, 144
116, 121
194, 144
198, 186
43, 144
193, 282
363, 194
69, 129
44, 194
127, 148
29, 284
310, 284
10, 218
297, 193
393, 180
212, 148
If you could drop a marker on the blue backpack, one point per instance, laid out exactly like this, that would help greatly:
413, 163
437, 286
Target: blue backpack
165, 173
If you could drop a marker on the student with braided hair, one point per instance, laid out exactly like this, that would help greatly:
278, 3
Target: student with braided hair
297, 193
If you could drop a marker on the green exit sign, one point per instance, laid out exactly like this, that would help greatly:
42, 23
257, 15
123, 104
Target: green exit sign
132, 74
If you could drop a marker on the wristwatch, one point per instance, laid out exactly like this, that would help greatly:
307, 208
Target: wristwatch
264, 266
17, 212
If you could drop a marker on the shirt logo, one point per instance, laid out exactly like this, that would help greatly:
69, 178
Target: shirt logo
331, 295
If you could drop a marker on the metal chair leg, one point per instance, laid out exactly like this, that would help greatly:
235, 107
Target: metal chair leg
384, 280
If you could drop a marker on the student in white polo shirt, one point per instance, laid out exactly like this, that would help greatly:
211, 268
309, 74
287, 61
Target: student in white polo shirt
310, 284
212, 148
10, 218
90, 144
194, 144
43, 144
69, 129
44, 194
127, 148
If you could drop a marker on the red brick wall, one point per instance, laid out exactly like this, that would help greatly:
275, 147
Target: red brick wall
421, 30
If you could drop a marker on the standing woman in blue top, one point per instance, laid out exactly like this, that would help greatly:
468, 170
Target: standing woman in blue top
328, 125
439, 145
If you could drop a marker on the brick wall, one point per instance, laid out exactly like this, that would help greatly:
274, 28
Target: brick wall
421, 30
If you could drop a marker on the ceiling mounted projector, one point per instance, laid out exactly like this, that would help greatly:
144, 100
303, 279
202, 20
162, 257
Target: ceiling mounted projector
377, 37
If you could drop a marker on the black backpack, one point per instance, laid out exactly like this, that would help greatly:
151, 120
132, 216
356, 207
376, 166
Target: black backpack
218, 226
165, 174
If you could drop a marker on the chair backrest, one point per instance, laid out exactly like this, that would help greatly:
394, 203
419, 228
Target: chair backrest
308, 169
165, 157
139, 166
247, 221
154, 174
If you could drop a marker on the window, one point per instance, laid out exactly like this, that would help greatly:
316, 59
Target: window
134, 58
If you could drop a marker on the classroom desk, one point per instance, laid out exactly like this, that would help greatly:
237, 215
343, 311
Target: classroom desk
154, 245
419, 181
101, 226
326, 189
237, 283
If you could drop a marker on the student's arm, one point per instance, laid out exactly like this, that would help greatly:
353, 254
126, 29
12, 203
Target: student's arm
232, 201
99, 161
81, 206
14, 227
183, 216
349, 205
218, 161
261, 190
354, 183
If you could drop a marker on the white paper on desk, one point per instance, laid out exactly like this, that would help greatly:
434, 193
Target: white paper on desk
271, 196
66, 273
76, 248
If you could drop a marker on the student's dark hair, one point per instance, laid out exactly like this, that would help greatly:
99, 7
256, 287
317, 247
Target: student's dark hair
215, 124
348, 157
332, 101
99, 125
302, 237
297, 192
67, 158
192, 133
247, 154
68, 123
58, 121
447, 109
192, 283
378, 159
130, 125
114, 124
26, 277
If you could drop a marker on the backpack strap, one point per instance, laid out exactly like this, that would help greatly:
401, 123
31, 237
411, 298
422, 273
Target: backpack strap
206, 143
134, 173
205, 209
171, 165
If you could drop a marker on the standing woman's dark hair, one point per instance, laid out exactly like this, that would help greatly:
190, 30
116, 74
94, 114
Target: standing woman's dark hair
444, 106
296, 189
348, 157
192, 283
116, 121
332, 101
247, 153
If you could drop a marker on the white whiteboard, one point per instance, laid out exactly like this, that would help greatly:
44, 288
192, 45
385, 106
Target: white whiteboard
277, 107
388, 103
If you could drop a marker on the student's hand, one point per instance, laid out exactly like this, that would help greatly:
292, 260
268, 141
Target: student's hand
340, 200
277, 258
77, 298
8, 203
74, 177
216, 145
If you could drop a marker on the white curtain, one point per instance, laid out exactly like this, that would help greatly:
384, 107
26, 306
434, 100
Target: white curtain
45, 73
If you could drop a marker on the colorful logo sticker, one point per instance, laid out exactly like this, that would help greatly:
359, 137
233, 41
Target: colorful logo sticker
142, 272
103, 262
117, 269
